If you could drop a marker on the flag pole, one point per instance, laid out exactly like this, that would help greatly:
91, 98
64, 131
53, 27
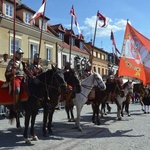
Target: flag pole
14, 53
70, 39
93, 43
41, 31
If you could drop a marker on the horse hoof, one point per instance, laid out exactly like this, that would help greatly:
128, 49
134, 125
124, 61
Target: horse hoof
50, 132
45, 135
35, 138
80, 129
129, 115
120, 118
27, 141
19, 129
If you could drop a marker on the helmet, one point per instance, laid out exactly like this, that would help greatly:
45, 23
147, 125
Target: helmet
19, 51
67, 63
36, 56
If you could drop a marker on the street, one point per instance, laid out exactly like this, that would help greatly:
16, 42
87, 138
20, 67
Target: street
131, 133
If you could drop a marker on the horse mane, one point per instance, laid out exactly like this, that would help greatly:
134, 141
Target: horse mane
125, 85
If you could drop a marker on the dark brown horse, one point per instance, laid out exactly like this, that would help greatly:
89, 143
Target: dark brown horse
73, 88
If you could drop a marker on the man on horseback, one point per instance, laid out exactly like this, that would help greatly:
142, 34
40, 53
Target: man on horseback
17, 69
35, 68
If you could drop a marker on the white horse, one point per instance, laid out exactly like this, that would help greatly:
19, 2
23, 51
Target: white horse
86, 86
121, 96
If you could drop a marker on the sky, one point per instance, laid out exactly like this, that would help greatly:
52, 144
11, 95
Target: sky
117, 13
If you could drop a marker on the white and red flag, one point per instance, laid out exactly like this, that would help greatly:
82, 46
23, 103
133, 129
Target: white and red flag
72, 12
113, 42
101, 18
39, 12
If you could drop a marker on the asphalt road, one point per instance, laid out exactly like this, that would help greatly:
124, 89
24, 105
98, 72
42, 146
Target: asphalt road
131, 133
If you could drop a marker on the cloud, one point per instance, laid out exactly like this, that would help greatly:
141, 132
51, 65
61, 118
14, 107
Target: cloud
114, 25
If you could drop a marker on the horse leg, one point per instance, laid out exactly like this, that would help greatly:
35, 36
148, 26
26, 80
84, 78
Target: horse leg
34, 137
45, 115
108, 107
67, 111
51, 112
79, 108
119, 113
72, 115
93, 116
97, 114
127, 108
27, 120
102, 109
123, 105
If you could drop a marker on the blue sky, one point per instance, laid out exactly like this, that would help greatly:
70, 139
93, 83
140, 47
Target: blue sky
116, 11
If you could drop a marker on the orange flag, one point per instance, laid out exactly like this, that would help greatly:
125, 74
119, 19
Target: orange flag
135, 56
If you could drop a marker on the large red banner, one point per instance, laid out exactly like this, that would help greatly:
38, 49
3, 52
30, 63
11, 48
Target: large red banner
135, 56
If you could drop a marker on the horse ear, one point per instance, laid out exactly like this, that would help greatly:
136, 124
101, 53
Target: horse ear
52, 67
56, 66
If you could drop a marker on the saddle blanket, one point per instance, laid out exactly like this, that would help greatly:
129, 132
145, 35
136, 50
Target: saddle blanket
6, 98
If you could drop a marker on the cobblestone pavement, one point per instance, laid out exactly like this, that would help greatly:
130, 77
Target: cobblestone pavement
131, 133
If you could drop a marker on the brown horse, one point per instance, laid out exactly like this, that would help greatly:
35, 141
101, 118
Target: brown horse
113, 93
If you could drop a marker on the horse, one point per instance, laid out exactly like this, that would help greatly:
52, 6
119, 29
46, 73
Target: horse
113, 89
81, 98
102, 97
39, 90
121, 95
139, 88
49, 105
125, 104
73, 81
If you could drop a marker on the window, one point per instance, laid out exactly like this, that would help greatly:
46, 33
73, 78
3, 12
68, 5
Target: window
27, 18
106, 72
48, 54
64, 59
33, 50
81, 45
99, 56
102, 71
9, 10
103, 57
99, 70
17, 45
61, 35
44, 24
72, 41
94, 54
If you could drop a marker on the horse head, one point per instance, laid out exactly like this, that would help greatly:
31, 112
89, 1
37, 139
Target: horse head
128, 87
71, 79
98, 81
51, 80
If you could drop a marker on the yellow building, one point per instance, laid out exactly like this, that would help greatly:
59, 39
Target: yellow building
27, 35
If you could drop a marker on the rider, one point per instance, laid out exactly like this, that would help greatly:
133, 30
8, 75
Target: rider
35, 68
17, 68
87, 71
